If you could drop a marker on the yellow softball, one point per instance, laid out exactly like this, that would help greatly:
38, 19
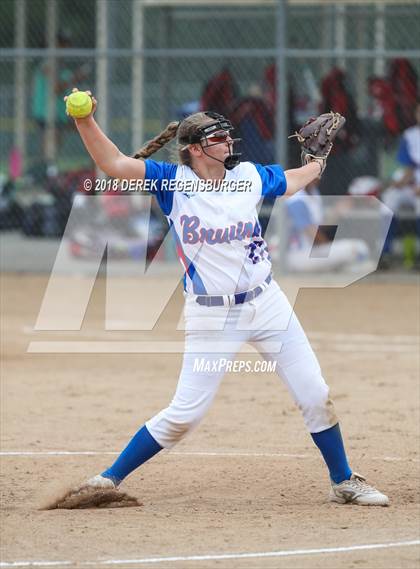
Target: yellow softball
79, 105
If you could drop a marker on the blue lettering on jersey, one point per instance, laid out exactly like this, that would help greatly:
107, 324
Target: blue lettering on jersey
192, 232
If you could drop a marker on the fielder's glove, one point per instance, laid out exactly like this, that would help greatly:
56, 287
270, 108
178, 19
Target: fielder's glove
316, 137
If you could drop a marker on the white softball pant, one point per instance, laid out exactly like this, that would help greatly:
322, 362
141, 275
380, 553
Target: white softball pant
270, 325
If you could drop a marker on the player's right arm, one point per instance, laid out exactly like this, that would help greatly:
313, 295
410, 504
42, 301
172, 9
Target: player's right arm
103, 151
106, 155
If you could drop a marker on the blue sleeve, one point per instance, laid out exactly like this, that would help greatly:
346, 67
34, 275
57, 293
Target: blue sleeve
403, 155
273, 180
299, 214
156, 172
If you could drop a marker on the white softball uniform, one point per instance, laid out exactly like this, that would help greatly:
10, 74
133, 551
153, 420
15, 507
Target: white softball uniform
408, 156
219, 243
215, 231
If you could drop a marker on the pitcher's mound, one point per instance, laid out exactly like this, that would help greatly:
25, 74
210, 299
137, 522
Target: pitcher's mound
88, 497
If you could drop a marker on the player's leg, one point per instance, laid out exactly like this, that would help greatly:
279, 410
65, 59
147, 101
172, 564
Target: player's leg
198, 383
298, 366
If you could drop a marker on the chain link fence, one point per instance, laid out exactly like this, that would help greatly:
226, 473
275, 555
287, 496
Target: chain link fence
267, 65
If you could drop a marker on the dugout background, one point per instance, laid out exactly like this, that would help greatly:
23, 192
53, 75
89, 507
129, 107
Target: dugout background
150, 62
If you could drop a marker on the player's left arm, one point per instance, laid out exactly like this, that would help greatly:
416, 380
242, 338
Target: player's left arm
276, 182
298, 178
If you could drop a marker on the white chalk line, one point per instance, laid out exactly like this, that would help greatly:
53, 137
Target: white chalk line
373, 348
328, 336
401, 338
166, 346
215, 557
239, 454
336, 343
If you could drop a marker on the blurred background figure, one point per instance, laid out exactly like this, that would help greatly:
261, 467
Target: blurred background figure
310, 246
220, 93
254, 122
336, 96
403, 195
394, 98
269, 87
403, 79
65, 79
370, 76
124, 224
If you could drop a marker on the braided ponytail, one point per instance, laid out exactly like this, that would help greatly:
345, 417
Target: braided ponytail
183, 129
158, 141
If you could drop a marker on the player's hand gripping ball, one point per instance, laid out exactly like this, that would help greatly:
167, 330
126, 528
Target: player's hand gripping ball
79, 104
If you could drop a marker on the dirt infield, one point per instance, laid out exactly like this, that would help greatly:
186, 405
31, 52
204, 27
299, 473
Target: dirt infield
249, 480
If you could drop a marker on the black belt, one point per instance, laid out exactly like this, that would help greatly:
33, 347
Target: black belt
238, 298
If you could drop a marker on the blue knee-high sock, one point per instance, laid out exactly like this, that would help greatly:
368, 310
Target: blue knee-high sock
141, 447
330, 443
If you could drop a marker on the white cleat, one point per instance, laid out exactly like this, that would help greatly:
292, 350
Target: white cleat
97, 492
99, 482
357, 491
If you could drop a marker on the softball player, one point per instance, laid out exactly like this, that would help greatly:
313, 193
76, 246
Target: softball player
231, 297
309, 249
405, 187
